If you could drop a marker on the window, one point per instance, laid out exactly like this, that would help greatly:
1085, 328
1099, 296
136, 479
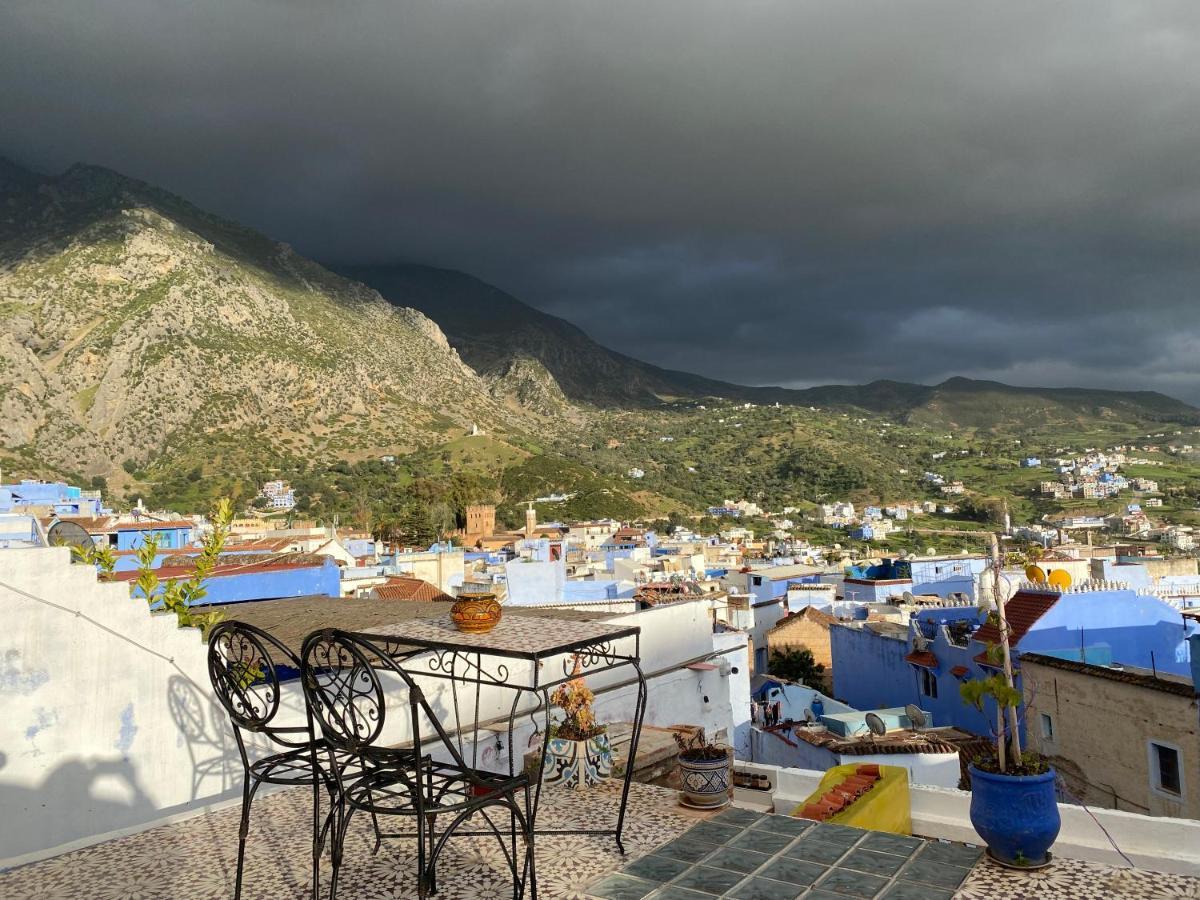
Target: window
928, 684
1047, 727
756, 581
1165, 774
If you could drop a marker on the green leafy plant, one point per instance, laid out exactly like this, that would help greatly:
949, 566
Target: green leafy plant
1001, 689
102, 556
798, 665
696, 747
178, 596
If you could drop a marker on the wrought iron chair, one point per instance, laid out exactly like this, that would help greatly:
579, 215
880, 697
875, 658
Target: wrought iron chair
345, 695
243, 665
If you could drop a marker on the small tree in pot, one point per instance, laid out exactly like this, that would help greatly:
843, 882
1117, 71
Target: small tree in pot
578, 753
1013, 803
703, 771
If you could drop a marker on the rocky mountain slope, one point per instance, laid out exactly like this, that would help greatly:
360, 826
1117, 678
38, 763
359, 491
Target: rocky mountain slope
492, 329
134, 327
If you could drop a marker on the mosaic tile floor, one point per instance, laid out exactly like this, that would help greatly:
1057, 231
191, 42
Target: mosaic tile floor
195, 859
673, 854
743, 855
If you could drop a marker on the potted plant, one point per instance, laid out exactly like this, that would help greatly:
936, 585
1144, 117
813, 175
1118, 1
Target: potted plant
1013, 803
578, 752
704, 771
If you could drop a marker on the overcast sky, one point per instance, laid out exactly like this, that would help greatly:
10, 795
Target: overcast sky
766, 192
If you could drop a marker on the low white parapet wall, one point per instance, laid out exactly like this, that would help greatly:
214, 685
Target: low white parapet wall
1156, 843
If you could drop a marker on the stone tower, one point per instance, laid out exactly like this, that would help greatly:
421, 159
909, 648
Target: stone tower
481, 521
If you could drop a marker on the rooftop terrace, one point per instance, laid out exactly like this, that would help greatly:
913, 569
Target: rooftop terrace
673, 854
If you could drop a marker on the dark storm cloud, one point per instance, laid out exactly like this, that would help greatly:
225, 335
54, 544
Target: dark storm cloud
791, 192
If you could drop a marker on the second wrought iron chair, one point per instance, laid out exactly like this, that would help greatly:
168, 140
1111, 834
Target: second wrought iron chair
346, 697
243, 665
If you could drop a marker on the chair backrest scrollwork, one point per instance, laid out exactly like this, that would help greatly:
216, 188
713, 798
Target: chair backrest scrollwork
343, 690
242, 663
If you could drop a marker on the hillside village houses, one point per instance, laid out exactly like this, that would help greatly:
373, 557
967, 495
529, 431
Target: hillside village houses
894, 633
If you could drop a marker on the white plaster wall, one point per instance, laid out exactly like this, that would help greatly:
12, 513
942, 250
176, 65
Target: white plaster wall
107, 719
109, 724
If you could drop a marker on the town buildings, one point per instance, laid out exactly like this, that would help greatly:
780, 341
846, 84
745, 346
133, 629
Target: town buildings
1120, 736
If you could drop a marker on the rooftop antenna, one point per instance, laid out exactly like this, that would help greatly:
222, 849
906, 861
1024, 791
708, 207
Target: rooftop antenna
916, 716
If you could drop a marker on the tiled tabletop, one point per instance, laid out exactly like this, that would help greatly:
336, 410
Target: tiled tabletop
745, 855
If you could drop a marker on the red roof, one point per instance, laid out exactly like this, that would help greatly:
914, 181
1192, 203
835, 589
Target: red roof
400, 588
1022, 610
149, 525
982, 659
167, 573
959, 671
923, 658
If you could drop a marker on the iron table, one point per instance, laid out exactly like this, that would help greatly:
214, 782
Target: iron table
529, 656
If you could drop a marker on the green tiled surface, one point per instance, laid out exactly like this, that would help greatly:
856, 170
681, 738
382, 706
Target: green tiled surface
743, 855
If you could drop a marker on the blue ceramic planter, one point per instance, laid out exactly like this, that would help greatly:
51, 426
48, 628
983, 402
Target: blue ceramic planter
1016, 815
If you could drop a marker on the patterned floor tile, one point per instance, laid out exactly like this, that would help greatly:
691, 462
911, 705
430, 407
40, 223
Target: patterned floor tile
761, 840
898, 844
736, 860
872, 862
708, 880
816, 851
765, 889
852, 884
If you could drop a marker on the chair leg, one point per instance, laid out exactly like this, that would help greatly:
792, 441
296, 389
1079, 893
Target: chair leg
338, 837
518, 883
432, 830
248, 787
316, 838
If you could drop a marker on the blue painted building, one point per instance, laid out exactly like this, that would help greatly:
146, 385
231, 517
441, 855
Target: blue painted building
239, 584
863, 532
175, 535
44, 497
877, 664
771, 582
940, 575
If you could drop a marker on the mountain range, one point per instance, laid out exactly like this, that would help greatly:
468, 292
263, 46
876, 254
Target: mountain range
492, 329
137, 329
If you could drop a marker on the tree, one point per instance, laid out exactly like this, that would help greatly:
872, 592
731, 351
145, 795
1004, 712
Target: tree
798, 665
441, 518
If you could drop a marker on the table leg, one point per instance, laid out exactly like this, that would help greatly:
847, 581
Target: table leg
638, 715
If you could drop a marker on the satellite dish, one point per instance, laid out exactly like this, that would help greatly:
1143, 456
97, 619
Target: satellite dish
1060, 578
907, 597
69, 534
875, 724
915, 716
919, 642
1035, 574
809, 718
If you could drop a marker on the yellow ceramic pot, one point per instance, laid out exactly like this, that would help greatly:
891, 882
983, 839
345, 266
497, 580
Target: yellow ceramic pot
476, 613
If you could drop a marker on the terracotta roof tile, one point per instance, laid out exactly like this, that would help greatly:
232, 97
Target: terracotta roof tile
959, 671
399, 588
923, 658
1022, 610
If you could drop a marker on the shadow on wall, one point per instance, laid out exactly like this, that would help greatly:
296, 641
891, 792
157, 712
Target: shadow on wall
204, 726
106, 789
